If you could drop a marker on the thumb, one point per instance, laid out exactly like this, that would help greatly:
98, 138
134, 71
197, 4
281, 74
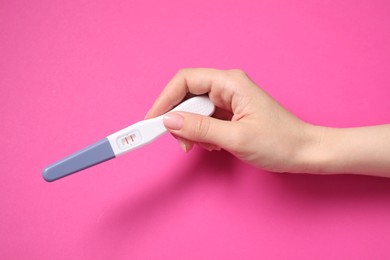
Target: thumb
198, 128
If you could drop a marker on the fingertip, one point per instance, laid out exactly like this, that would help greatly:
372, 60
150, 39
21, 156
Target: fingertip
152, 112
185, 145
173, 121
147, 115
209, 147
159, 107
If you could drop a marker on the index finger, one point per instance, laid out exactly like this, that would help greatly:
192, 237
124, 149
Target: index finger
194, 81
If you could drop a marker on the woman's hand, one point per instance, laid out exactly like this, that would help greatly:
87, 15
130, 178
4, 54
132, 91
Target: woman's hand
247, 123
255, 128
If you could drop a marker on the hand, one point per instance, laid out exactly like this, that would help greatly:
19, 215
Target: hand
247, 122
255, 128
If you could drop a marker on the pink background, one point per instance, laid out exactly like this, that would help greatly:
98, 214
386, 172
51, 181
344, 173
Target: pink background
72, 72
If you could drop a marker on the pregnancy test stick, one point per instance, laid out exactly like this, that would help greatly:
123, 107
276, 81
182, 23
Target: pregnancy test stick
123, 141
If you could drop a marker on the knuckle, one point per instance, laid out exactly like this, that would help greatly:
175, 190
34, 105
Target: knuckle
201, 128
237, 72
182, 71
236, 77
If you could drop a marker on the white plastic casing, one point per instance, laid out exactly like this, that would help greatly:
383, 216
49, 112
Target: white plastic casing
146, 131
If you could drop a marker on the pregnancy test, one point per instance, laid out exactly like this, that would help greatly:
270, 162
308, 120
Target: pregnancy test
123, 141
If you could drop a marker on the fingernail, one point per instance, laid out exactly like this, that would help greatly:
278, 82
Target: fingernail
182, 145
211, 147
147, 115
173, 121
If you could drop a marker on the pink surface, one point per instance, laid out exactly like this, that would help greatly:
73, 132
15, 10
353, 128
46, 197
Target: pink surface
72, 72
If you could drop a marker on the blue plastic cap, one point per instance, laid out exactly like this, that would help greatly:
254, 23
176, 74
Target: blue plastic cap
90, 156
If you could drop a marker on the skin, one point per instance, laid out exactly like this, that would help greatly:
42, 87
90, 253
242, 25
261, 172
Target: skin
255, 128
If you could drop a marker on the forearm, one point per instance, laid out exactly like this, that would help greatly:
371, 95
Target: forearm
361, 150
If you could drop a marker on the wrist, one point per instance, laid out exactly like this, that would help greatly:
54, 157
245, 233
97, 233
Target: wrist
311, 155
